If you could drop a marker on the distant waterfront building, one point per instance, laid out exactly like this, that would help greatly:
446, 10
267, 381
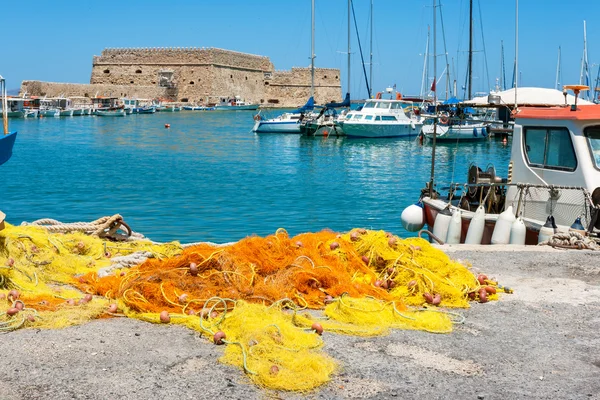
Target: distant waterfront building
195, 75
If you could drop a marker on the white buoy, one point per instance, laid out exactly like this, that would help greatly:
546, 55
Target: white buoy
501, 233
518, 231
454, 228
412, 218
547, 230
441, 224
475, 232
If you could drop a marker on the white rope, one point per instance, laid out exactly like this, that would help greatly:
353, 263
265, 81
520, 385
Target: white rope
574, 240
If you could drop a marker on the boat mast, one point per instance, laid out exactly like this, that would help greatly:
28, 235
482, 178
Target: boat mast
4, 105
312, 51
425, 77
349, 28
434, 87
557, 84
371, 55
470, 66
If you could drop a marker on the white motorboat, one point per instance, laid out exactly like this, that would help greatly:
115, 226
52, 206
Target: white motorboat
383, 118
235, 104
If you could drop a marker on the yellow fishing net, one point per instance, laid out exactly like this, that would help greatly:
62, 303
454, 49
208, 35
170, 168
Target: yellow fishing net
258, 292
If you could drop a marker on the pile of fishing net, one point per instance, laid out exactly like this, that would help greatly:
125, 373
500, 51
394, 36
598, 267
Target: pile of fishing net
269, 299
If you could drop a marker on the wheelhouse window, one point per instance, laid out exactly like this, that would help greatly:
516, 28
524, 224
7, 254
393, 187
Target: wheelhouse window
369, 104
593, 138
550, 148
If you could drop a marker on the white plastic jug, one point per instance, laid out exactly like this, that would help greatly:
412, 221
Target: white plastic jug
475, 232
501, 233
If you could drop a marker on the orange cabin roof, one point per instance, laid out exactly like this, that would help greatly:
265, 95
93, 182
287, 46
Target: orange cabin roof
583, 113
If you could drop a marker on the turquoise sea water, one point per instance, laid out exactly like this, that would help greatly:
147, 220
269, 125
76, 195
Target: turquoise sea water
209, 178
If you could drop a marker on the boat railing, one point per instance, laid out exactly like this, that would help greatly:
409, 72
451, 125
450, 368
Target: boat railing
568, 201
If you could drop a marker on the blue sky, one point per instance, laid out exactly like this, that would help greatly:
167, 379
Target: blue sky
55, 41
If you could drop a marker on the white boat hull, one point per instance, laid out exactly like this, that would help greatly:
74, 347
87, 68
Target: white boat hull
50, 113
274, 126
380, 130
457, 132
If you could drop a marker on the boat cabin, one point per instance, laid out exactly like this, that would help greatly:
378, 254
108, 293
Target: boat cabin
381, 110
106, 103
556, 146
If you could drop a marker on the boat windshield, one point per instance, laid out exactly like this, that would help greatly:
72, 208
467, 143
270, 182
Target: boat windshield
369, 104
593, 136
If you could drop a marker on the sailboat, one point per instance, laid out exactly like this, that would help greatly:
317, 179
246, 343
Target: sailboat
289, 122
325, 123
7, 141
455, 122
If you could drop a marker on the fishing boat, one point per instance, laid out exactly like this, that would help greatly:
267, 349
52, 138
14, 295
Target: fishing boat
234, 104
172, 108
7, 141
15, 107
145, 110
383, 118
120, 112
458, 124
553, 184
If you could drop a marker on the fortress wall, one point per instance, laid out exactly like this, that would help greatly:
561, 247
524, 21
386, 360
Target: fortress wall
197, 75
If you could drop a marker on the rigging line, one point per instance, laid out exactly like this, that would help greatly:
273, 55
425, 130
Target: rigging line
448, 89
360, 48
487, 71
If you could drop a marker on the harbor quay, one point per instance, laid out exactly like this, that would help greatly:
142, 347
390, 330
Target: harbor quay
539, 342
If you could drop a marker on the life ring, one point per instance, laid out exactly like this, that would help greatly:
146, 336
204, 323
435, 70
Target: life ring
443, 119
257, 117
378, 95
398, 96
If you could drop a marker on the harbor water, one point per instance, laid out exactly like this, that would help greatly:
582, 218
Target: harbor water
209, 178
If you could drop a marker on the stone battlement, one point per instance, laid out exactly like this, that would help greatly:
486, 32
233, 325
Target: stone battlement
197, 56
139, 50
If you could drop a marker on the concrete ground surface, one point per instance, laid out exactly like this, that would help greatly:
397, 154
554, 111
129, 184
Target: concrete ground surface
542, 342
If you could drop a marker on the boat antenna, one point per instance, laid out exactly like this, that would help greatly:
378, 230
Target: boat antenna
516, 49
558, 74
4, 105
434, 87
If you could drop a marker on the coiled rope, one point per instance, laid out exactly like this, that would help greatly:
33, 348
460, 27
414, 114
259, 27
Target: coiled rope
105, 227
571, 240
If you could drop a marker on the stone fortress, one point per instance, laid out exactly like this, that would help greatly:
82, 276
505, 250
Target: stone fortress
195, 75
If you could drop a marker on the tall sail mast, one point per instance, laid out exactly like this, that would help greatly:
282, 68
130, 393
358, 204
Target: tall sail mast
312, 51
516, 50
349, 28
371, 56
434, 87
470, 66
